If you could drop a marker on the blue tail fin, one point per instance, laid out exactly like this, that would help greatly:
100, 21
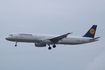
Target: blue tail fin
91, 32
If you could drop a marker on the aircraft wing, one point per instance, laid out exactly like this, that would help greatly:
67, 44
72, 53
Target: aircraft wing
56, 39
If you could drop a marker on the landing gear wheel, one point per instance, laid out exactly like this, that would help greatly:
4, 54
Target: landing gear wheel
15, 45
54, 46
49, 48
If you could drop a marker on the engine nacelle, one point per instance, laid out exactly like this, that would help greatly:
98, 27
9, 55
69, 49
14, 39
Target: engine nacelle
40, 45
46, 42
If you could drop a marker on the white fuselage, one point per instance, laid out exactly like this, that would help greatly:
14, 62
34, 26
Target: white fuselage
37, 38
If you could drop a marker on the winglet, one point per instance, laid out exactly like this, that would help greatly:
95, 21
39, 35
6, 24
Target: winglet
68, 34
65, 35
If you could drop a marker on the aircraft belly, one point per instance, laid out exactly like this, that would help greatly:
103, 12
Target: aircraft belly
27, 40
69, 42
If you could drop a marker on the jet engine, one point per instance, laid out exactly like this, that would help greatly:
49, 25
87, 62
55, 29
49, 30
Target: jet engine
40, 45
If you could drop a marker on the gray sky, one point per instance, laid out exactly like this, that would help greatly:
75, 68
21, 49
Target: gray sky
52, 17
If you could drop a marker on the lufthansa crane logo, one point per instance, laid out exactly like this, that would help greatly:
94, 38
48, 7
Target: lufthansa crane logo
92, 31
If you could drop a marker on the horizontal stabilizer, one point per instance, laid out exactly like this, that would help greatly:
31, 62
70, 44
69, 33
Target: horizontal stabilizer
95, 38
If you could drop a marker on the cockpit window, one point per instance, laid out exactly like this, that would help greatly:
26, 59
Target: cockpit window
11, 34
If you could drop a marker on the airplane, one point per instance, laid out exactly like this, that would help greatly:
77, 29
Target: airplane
42, 40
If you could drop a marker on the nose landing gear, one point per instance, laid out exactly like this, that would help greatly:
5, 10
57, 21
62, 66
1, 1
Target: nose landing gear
16, 44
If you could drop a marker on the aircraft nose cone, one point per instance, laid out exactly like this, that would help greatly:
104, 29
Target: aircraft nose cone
7, 38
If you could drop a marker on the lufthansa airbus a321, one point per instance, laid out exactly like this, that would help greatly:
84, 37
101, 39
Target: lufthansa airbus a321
41, 40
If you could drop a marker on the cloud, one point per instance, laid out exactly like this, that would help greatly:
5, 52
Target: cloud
98, 63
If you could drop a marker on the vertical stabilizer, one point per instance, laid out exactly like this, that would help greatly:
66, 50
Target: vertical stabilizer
91, 32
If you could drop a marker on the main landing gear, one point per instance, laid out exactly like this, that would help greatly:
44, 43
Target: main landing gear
16, 44
49, 48
54, 46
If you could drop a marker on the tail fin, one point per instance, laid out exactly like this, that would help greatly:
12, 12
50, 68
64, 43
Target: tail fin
91, 32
